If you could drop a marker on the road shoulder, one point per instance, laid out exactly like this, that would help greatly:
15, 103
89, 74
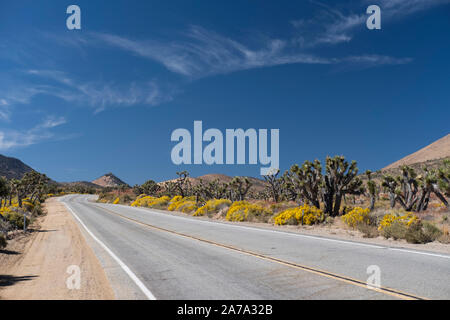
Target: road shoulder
50, 257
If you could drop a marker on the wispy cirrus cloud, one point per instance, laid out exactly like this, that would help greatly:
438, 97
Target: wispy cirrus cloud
52, 122
204, 53
335, 26
4, 110
96, 94
10, 138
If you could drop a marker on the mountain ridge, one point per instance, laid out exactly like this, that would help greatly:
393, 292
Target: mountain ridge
13, 168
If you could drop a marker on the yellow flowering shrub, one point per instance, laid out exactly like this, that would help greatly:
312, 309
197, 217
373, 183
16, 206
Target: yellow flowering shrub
28, 206
356, 216
309, 214
175, 199
406, 219
186, 204
5, 210
116, 201
151, 202
212, 206
245, 211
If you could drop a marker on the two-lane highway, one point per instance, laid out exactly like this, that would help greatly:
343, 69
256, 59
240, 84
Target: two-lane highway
172, 257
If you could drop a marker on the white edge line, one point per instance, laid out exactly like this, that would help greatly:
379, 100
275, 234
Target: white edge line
125, 268
295, 234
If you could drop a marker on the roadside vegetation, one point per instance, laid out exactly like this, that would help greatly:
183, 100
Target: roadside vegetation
413, 206
21, 201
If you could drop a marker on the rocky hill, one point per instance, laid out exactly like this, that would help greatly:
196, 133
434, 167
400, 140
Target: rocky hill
12, 168
109, 180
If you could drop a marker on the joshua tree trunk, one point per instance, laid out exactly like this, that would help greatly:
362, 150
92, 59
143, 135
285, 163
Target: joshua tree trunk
337, 204
392, 199
372, 203
440, 196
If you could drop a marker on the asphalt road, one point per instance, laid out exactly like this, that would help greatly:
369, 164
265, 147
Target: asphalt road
150, 254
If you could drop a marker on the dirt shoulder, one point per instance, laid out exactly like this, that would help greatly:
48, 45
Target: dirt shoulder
35, 266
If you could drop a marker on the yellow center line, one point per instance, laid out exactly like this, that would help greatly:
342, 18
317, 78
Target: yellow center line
349, 280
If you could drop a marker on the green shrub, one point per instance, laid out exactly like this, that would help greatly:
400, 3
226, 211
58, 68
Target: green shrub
16, 219
396, 230
431, 231
368, 230
418, 233
415, 234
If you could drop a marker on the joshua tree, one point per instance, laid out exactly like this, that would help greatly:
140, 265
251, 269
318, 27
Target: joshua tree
211, 190
5, 190
390, 185
443, 175
288, 188
275, 184
170, 188
307, 180
403, 189
217, 189
33, 184
183, 184
150, 187
430, 183
239, 187
340, 179
137, 190
372, 189
413, 191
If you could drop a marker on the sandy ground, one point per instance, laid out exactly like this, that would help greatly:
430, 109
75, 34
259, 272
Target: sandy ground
37, 266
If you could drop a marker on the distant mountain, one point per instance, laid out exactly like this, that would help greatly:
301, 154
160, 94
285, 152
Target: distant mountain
109, 180
439, 149
12, 168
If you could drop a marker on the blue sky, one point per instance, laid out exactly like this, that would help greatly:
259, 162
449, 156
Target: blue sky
76, 104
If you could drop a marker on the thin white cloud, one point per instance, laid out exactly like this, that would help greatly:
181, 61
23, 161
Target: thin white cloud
4, 110
10, 138
52, 122
334, 26
96, 94
13, 139
205, 53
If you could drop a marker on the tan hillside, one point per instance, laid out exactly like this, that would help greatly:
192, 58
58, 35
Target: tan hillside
437, 150
108, 180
